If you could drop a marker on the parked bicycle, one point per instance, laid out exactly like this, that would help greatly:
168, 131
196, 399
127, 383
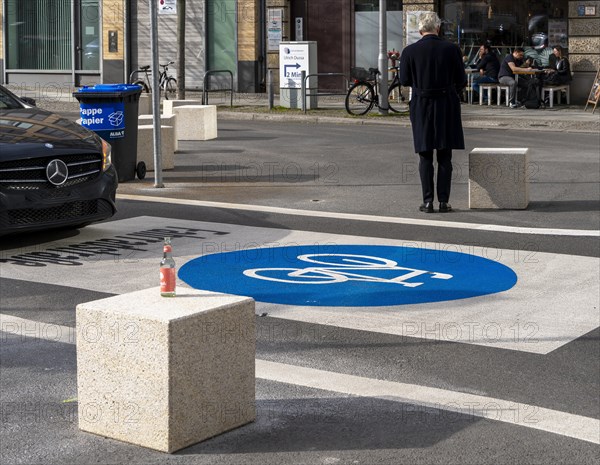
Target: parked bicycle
363, 95
166, 82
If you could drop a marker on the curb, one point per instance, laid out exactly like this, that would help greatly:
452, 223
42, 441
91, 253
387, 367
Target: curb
471, 122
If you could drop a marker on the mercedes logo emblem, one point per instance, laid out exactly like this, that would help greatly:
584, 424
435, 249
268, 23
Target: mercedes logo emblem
57, 172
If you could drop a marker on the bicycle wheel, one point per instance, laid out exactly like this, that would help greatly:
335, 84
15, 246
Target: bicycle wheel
170, 88
360, 98
143, 84
395, 97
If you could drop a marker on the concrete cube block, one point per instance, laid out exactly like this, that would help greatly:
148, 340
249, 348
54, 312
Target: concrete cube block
145, 147
196, 122
165, 120
498, 178
168, 105
165, 373
145, 104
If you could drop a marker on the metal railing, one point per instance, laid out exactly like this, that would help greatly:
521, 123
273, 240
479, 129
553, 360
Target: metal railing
206, 90
318, 94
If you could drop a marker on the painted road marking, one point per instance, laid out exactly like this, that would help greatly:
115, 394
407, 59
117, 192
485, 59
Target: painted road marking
471, 405
372, 218
515, 413
554, 302
348, 275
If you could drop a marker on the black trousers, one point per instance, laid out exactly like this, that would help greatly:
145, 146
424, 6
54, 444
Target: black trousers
444, 176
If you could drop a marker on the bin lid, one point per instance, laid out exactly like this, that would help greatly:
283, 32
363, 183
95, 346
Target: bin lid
107, 91
111, 88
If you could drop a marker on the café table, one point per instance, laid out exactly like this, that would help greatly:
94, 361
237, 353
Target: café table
526, 72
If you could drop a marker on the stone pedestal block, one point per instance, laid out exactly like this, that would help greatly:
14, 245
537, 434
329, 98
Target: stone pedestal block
145, 147
196, 122
168, 105
163, 372
165, 120
145, 104
498, 178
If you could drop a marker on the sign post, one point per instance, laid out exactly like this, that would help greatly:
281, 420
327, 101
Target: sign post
294, 58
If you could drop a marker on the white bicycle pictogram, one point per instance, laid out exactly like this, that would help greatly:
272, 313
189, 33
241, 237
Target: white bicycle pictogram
341, 268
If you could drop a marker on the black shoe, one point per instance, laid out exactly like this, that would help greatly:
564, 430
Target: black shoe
426, 207
445, 207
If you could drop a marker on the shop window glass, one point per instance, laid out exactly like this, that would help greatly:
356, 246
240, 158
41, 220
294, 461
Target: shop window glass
366, 26
38, 34
535, 25
373, 5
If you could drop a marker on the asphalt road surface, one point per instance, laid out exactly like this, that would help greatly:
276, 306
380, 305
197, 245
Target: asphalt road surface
383, 335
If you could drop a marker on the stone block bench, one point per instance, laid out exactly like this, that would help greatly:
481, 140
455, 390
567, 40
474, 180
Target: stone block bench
165, 373
498, 178
194, 122
145, 146
165, 120
145, 104
168, 105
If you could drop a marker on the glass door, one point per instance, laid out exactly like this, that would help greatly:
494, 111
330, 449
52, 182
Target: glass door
86, 38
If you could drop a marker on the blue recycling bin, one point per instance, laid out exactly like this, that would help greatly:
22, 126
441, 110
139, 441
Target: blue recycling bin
111, 111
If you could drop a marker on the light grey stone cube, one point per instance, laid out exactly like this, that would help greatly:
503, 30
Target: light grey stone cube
165, 120
145, 147
168, 105
145, 104
165, 373
196, 122
498, 178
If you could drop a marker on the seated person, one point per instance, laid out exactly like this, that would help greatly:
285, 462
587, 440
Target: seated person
559, 70
506, 75
488, 66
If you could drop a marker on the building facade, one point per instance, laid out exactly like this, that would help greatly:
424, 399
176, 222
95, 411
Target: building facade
79, 42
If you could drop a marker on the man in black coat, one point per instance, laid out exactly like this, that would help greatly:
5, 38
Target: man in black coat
435, 71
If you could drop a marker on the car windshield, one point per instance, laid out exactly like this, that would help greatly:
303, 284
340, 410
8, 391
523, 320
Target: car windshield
8, 101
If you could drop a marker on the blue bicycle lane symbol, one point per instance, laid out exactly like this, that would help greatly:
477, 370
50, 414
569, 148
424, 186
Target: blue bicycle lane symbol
348, 275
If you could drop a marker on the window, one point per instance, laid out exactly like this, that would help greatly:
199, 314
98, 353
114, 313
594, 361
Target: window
38, 34
366, 25
535, 25
373, 5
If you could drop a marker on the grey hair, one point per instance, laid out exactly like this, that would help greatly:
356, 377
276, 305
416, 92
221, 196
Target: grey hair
429, 22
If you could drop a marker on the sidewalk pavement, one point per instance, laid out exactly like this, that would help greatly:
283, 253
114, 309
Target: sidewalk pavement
331, 110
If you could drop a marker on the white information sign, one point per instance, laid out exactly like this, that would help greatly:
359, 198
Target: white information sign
167, 7
412, 26
275, 28
293, 59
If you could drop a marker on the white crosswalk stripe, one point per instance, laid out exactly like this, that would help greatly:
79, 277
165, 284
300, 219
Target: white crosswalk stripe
515, 413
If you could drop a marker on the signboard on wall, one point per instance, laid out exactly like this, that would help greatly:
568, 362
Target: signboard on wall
274, 29
167, 7
299, 29
412, 26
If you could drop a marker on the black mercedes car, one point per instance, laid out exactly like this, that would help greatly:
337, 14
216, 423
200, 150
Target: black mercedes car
53, 172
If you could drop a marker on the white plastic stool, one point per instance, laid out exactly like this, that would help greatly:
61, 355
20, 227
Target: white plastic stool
482, 89
558, 89
506, 89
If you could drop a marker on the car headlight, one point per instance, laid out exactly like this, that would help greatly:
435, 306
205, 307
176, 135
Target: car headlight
106, 152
